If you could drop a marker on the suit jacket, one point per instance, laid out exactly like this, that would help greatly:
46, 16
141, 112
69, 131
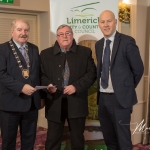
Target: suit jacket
82, 76
126, 68
12, 81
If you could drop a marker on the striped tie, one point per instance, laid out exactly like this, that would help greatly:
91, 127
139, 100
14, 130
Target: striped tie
24, 54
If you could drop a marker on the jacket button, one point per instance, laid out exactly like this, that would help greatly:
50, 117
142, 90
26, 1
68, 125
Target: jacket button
58, 78
59, 65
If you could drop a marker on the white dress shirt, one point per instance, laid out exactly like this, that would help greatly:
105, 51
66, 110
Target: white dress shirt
109, 89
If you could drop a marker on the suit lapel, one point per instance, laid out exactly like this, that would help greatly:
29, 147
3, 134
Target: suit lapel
99, 56
30, 54
115, 46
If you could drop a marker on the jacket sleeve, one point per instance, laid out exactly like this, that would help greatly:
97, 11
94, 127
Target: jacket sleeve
45, 81
86, 81
135, 61
5, 79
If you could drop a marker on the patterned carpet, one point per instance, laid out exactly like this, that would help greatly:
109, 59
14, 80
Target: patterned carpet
89, 145
141, 147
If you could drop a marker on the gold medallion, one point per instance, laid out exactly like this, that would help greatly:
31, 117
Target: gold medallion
25, 73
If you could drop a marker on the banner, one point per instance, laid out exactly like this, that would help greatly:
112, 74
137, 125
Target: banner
82, 16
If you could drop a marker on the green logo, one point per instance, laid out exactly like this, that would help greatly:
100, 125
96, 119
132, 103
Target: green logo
84, 20
80, 10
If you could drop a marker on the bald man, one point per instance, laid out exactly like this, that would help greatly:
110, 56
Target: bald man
119, 71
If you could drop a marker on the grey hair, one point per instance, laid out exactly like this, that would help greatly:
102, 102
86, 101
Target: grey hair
64, 25
19, 19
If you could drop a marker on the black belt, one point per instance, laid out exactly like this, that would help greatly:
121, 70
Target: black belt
107, 93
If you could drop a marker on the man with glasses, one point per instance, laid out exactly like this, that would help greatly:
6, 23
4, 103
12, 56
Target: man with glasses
70, 70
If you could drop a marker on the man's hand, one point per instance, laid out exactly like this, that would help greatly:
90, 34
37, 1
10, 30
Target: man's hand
51, 89
28, 90
70, 89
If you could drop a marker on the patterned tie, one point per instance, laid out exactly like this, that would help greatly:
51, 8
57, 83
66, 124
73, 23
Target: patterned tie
66, 73
105, 67
24, 54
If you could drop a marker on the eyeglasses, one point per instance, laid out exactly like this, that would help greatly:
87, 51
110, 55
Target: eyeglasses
66, 34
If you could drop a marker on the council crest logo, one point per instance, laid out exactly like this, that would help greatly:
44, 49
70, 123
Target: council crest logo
83, 18
84, 10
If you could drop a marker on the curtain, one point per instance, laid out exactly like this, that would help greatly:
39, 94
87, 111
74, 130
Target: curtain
146, 134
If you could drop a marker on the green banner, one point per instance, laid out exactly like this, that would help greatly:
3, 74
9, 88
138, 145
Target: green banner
7, 1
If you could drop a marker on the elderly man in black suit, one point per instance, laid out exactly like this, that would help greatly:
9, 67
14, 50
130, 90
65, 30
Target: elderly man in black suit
71, 68
19, 100
119, 71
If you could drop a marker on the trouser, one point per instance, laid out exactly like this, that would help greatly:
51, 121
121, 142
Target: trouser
55, 131
27, 121
115, 123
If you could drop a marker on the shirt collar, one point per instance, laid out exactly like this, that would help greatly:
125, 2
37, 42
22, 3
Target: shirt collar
62, 50
111, 37
58, 49
18, 45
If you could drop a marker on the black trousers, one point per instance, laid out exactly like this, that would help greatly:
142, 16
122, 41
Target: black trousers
0, 122
55, 131
27, 121
115, 123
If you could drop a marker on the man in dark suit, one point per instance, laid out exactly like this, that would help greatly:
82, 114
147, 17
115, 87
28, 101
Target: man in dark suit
19, 100
71, 68
118, 76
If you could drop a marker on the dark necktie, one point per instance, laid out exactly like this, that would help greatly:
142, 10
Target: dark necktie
105, 66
